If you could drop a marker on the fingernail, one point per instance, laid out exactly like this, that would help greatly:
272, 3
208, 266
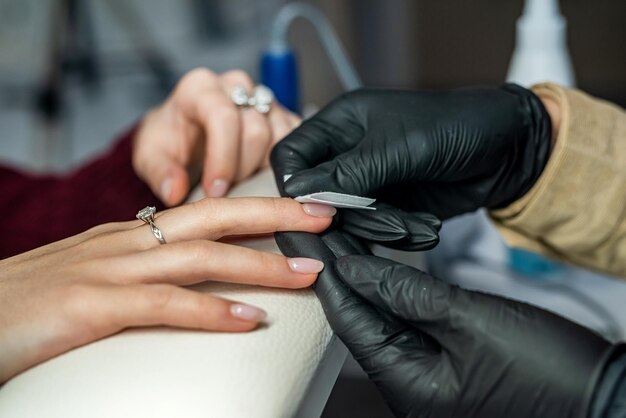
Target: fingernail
321, 211
218, 188
166, 189
247, 312
305, 265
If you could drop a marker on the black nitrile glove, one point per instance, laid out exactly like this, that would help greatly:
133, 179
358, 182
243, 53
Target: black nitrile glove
327, 247
388, 226
444, 152
436, 350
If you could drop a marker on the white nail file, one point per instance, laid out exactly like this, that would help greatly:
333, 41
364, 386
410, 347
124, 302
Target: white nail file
338, 200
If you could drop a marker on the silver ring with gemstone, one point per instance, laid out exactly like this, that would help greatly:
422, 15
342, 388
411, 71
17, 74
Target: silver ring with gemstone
261, 98
147, 215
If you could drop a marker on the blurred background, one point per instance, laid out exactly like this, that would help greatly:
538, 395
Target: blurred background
76, 73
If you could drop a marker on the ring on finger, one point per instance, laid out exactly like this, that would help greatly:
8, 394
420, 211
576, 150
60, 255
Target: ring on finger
261, 98
147, 216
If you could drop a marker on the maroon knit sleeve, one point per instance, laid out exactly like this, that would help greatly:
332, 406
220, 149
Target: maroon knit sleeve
39, 209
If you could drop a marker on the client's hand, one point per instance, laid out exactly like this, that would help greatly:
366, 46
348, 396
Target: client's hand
198, 129
117, 275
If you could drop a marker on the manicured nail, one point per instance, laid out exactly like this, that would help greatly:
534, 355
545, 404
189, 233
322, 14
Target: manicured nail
321, 211
247, 312
166, 189
218, 188
305, 265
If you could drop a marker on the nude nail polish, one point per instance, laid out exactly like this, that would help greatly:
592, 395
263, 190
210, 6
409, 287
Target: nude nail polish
305, 265
218, 188
166, 189
247, 312
320, 211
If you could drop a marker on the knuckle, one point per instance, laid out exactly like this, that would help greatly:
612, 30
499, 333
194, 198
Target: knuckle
199, 251
283, 208
160, 297
98, 244
139, 239
104, 229
223, 111
268, 262
75, 296
198, 75
239, 76
76, 302
210, 212
98, 229
257, 133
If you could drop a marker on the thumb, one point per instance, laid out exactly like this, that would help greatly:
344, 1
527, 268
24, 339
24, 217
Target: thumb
405, 292
325, 135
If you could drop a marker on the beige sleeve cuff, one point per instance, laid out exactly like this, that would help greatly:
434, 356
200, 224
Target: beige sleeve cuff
577, 209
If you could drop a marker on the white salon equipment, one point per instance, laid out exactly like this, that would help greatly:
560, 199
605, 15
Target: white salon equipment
541, 52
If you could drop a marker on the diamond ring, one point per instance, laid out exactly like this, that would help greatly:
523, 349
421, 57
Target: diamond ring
261, 98
147, 215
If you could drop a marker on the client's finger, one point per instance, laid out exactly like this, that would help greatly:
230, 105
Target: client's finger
256, 135
157, 158
222, 126
192, 262
282, 122
356, 322
216, 218
119, 307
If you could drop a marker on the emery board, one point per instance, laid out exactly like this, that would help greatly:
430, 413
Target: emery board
338, 200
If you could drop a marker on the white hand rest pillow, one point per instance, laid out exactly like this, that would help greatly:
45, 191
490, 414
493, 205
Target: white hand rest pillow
285, 369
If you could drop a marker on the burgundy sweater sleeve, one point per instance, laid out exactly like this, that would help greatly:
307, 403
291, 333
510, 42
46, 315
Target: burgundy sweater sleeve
39, 209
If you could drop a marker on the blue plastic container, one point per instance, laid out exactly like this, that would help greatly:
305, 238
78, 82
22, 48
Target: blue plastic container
279, 72
532, 264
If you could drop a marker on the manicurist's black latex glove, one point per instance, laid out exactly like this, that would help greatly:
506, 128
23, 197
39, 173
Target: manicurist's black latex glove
388, 225
442, 152
436, 350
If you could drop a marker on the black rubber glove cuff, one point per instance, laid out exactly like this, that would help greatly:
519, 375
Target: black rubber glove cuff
530, 160
609, 394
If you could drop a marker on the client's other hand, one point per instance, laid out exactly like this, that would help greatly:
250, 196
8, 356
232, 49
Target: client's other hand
117, 275
199, 130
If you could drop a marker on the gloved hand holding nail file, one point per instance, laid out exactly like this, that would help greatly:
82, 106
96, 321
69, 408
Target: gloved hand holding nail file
384, 224
436, 350
338, 200
389, 226
444, 152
